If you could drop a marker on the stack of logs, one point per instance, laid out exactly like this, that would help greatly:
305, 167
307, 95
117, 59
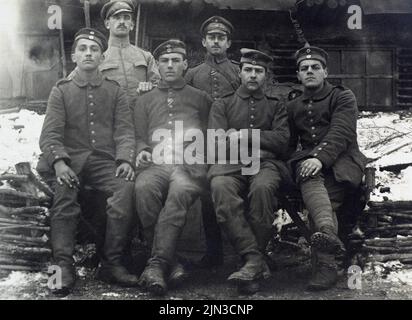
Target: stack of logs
386, 233
24, 227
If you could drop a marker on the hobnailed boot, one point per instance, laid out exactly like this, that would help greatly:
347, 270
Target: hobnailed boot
112, 270
255, 268
63, 237
153, 279
327, 241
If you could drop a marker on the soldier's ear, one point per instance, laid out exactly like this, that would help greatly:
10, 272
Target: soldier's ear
204, 42
298, 76
107, 24
185, 65
326, 72
229, 43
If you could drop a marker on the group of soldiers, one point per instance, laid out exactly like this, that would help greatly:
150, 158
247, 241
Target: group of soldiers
100, 131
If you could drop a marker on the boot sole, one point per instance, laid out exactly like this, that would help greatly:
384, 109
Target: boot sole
323, 242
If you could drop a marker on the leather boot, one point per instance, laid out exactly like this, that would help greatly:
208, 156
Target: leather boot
249, 287
63, 237
324, 271
326, 240
153, 278
254, 268
324, 277
112, 270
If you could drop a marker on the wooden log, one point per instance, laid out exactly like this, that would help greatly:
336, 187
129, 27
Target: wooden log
34, 181
29, 210
17, 194
24, 250
407, 226
22, 238
387, 249
390, 205
7, 226
392, 214
11, 260
380, 242
389, 257
20, 222
20, 268
15, 177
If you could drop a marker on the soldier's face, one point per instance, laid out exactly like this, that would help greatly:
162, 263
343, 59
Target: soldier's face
216, 43
171, 66
87, 55
120, 24
252, 76
312, 73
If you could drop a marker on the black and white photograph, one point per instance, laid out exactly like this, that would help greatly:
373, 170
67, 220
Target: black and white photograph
221, 151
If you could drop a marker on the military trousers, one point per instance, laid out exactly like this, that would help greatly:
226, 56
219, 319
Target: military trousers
245, 207
97, 174
164, 195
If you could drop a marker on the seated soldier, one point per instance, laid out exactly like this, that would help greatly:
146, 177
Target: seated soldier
245, 204
166, 188
323, 118
88, 139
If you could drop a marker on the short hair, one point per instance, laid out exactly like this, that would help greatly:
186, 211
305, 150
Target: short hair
243, 63
74, 45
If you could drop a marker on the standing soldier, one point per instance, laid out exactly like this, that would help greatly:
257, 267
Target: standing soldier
132, 67
217, 76
323, 118
88, 138
245, 204
166, 191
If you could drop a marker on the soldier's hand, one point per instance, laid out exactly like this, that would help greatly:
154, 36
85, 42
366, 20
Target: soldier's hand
126, 171
65, 174
144, 158
144, 87
310, 167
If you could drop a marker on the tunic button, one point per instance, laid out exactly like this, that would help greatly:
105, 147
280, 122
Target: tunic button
251, 125
325, 143
252, 117
93, 141
311, 120
315, 154
91, 114
313, 135
92, 123
170, 122
252, 101
319, 149
310, 112
90, 96
253, 109
91, 104
56, 157
93, 132
170, 114
52, 147
313, 128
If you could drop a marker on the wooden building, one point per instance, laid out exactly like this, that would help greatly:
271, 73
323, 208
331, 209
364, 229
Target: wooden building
375, 61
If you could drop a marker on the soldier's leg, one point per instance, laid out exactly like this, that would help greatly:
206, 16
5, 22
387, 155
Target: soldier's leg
263, 202
182, 193
228, 196
64, 219
151, 188
213, 237
119, 211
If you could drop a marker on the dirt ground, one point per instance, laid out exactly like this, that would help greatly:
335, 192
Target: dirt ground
288, 283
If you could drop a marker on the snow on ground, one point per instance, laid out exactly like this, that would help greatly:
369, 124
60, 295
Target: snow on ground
19, 140
387, 137
23, 285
